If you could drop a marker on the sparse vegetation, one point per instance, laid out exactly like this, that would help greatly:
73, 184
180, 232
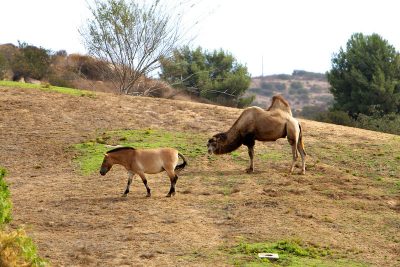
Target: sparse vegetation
5, 202
90, 154
48, 87
290, 252
16, 248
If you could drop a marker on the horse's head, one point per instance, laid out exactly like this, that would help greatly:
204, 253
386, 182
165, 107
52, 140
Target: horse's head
214, 143
106, 165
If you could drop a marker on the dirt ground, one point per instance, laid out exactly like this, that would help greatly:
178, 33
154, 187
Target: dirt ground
81, 220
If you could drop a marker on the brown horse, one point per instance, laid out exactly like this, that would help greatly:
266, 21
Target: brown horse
141, 161
263, 125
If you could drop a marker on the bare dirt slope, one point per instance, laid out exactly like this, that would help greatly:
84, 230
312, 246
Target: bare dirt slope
81, 220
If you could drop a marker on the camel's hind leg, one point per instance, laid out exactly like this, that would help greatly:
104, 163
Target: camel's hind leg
303, 154
293, 144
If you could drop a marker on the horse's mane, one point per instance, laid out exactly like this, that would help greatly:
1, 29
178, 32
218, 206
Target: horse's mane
278, 102
120, 148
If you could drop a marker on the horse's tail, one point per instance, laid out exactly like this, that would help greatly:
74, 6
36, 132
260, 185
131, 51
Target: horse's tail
301, 144
183, 164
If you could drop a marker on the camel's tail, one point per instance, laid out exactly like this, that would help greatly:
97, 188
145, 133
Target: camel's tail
183, 164
301, 144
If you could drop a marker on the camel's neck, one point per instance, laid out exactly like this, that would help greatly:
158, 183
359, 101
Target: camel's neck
232, 142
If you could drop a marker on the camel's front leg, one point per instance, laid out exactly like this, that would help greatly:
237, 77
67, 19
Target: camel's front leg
251, 155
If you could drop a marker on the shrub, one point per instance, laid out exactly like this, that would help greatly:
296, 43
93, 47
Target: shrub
336, 117
5, 202
245, 101
389, 123
31, 61
3, 66
280, 86
17, 249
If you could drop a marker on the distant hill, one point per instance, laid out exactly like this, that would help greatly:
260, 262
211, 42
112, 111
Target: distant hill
301, 89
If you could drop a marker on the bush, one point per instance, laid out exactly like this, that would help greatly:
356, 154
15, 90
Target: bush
335, 117
31, 61
245, 101
3, 66
389, 123
5, 202
17, 249
280, 86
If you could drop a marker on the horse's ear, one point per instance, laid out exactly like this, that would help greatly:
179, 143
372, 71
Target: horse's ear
106, 155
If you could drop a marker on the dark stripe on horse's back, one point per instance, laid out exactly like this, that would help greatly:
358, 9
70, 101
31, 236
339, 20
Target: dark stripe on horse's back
120, 148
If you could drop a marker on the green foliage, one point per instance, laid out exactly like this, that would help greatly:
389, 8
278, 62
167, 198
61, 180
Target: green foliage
290, 252
365, 77
5, 202
17, 249
214, 75
31, 61
336, 117
91, 153
307, 75
245, 101
389, 123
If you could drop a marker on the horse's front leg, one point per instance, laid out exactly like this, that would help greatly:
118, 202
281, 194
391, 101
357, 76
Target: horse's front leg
145, 184
130, 177
251, 155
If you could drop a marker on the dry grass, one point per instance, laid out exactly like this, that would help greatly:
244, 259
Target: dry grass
348, 201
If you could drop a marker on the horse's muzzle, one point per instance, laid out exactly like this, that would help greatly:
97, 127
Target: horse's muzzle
103, 171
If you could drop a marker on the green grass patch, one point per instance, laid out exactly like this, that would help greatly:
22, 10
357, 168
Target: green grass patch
291, 253
91, 153
49, 88
5, 202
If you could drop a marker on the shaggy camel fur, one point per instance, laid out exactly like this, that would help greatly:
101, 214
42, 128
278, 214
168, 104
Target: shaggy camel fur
262, 125
141, 161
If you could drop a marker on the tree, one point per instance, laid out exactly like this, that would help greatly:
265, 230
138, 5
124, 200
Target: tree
214, 75
132, 36
365, 78
31, 61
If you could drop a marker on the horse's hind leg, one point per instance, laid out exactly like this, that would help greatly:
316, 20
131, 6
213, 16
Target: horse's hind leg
145, 184
173, 178
130, 176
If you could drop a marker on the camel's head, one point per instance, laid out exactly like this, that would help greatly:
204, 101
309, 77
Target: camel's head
214, 143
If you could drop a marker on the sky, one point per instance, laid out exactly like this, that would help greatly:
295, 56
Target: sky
268, 36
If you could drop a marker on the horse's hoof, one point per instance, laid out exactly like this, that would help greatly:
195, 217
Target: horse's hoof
168, 195
124, 195
249, 170
148, 195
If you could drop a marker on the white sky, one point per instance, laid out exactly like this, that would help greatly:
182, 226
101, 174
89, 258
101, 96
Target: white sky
286, 34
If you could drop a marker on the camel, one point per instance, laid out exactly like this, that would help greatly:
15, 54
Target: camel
262, 125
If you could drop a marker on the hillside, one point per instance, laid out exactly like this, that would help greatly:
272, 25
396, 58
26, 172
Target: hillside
343, 212
301, 89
